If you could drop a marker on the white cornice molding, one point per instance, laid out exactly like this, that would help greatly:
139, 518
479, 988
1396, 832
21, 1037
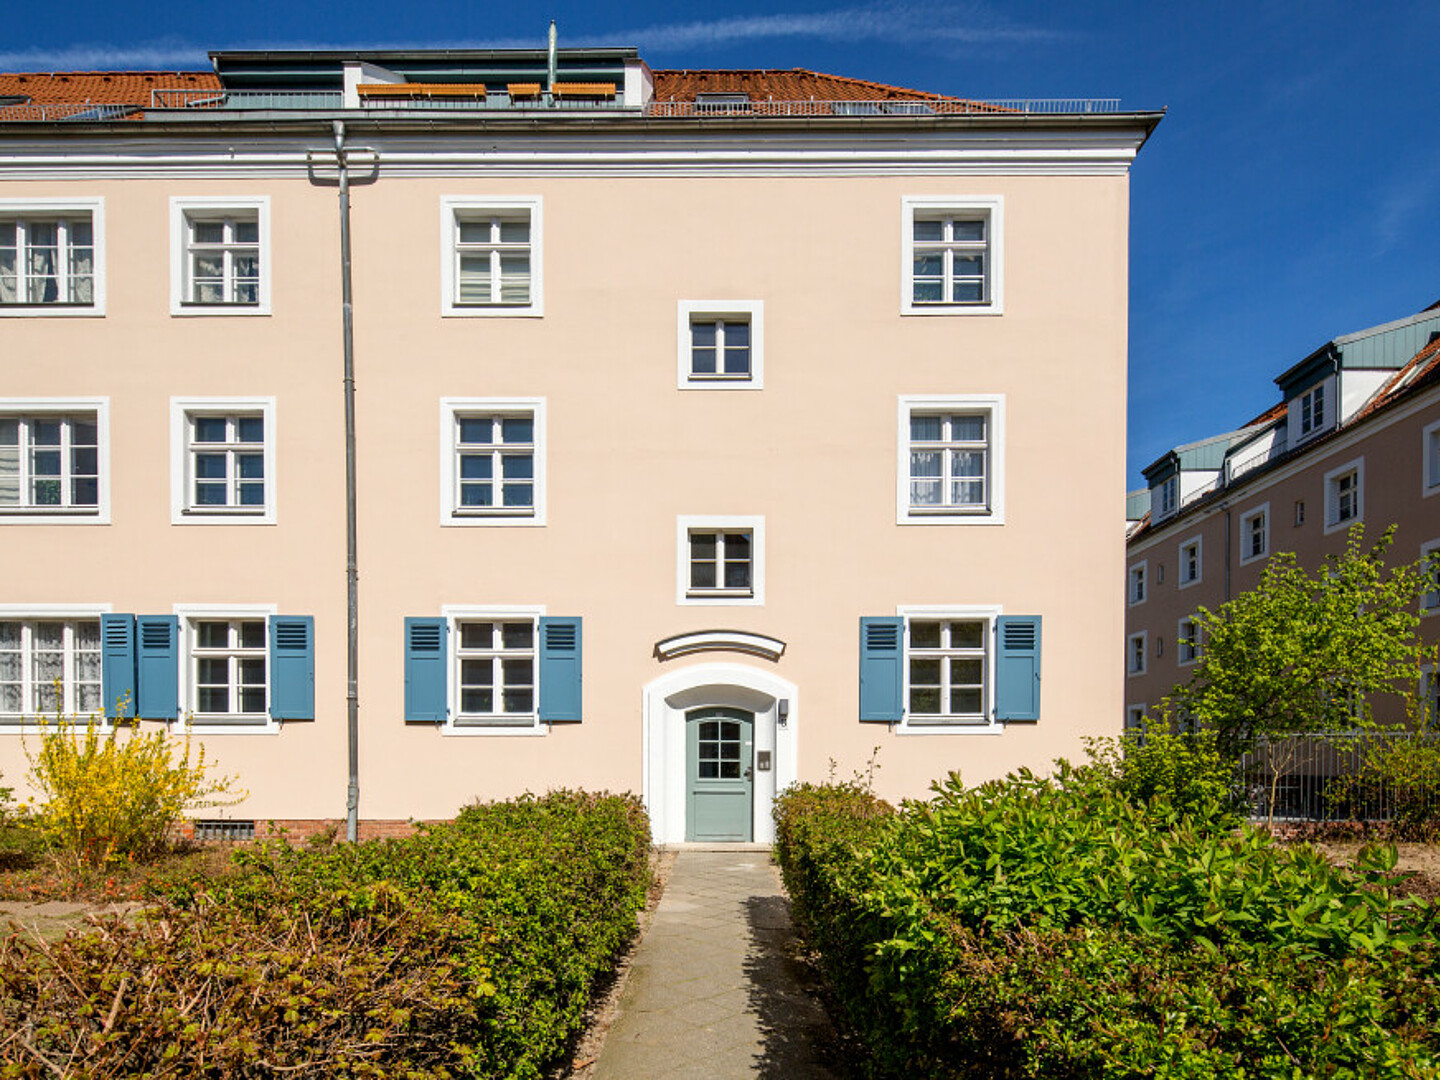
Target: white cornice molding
720, 640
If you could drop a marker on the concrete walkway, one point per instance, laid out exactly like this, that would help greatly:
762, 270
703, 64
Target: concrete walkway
714, 993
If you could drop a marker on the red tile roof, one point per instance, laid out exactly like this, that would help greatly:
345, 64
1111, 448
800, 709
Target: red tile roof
86, 88
1422, 369
796, 84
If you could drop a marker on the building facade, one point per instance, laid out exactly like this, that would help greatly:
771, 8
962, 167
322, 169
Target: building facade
1354, 440
706, 426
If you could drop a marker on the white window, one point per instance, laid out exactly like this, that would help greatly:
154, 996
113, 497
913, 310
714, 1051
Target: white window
52, 257
1430, 459
1169, 497
220, 256
1312, 410
494, 670
54, 460
225, 674
1299, 512
720, 560
1137, 583
1135, 654
49, 666
1190, 561
951, 463
1345, 495
222, 461
1430, 564
947, 664
491, 252
721, 345
1255, 534
1187, 642
1135, 717
952, 256
492, 464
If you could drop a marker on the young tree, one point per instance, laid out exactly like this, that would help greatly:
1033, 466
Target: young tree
1303, 652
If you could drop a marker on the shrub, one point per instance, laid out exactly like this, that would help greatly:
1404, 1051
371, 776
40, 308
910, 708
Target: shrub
1063, 927
110, 797
469, 949
1402, 775
1187, 772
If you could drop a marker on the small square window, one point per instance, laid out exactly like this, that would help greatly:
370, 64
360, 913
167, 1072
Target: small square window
491, 256
952, 256
54, 460
1345, 495
951, 467
1255, 534
721, 345
221, 256
492, 466
721, 560
1191, 566
223, 461
52, 257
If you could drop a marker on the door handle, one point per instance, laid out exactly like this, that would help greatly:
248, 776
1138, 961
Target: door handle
749, 772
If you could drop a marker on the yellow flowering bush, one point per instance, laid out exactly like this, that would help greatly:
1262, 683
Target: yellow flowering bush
112, 796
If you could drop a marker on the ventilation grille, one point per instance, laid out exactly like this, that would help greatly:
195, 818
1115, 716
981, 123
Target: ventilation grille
207, 832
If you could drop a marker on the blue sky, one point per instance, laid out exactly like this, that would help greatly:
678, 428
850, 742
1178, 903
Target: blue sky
1292, 194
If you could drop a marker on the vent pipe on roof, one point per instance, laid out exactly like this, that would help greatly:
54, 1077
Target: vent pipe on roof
550, 60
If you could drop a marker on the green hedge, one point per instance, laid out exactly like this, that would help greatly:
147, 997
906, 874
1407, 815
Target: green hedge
1065, 927
468, 950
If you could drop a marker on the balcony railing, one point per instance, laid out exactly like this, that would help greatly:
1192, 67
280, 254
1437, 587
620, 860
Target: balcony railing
80, 111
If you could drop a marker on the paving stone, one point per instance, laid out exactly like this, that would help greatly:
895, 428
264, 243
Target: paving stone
713, 993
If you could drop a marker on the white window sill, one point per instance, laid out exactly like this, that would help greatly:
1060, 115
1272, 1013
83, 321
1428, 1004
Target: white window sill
38, 516
949, 517
217, 516
950, 727
1246, 560
952, 309
1341, 526
468, 728
709, 382
184, 310
720, 600
1134, 674
54, 311
463, 520
217, 725
1187, 584
492, 311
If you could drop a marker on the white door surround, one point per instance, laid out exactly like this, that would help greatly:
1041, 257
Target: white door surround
727, 685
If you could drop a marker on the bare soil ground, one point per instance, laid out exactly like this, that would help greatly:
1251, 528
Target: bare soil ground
1420, 860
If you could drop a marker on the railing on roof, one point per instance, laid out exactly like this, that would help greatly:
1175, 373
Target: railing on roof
191, 98
316, 100
1201, 492
70, 110
885, 107
1267, 451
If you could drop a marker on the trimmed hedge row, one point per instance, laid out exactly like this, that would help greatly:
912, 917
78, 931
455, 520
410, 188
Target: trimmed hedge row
468, 950
1064, 928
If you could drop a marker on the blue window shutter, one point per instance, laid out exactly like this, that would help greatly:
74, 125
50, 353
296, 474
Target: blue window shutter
425, 665
117, 665
292, 667
560, 673
1017, 667
882, 658
157, 669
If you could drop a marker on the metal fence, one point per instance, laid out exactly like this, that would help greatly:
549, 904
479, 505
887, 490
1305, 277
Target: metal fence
919, 107
1368, 776
79, 111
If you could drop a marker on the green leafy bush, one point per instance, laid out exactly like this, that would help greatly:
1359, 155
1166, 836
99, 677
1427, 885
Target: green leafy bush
1187, 772
1403, 776
115, 796
1062, 927
468, 950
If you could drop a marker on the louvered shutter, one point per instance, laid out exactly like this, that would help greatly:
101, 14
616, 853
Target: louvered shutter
1017, 667
882, 656
157, 668
117, 665
425, 666
292, 667
560, 669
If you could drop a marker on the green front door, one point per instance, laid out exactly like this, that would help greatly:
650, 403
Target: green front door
719, 780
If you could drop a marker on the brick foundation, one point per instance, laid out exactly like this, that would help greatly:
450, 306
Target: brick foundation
301, 829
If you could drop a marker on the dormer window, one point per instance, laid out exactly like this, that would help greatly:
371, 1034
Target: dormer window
1312, 410
1169, 497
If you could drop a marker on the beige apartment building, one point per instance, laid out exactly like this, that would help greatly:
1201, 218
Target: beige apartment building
713, 430
1354, 439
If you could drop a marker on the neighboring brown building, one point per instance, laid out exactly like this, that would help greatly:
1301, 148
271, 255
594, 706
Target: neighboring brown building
1355, 438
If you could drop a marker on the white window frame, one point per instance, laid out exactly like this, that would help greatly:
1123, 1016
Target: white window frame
454, 615
1430, 600
1333, 523
452, 208
1198, 543
1135, 717
991, 404
203, 725
754, 525
986, 613
1308, 428
183, 208
1138, 574
1430, 460
1187, 641
1169, 501
181, 512
991, 207
1131, 653
39, 207
45, 515
451, 513
692, 311
56, 613
1263, 513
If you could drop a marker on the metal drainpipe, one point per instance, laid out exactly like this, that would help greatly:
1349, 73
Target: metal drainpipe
352, 641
